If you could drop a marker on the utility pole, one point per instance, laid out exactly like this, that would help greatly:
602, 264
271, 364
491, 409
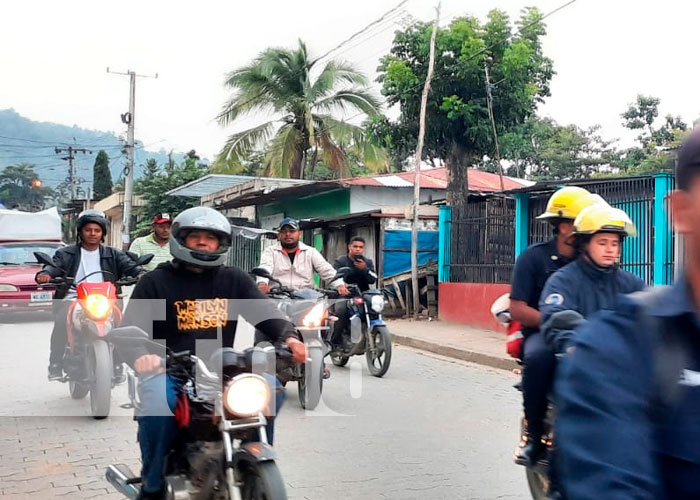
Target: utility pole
72, 177
128, 119
416, 181
489, 104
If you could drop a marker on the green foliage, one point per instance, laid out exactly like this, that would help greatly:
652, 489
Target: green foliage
153, 186
102, 178
655, 142
458, 128
21, 188
303, 128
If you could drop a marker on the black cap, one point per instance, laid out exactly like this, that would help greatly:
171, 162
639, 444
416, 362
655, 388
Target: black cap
688, 160
289, 221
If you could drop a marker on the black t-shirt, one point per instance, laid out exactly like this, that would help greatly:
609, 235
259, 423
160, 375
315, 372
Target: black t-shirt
532, 269
196, 306
363, 279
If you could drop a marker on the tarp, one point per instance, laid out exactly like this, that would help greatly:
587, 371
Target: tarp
27, 226
397, 250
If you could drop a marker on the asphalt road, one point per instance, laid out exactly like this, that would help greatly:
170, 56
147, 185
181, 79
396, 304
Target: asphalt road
430, 429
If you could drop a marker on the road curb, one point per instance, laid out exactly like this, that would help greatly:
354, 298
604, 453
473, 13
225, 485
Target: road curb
456, 353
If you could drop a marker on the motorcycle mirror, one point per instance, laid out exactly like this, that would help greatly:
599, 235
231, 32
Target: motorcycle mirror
144, 259
342, 273
261, 272
43, 258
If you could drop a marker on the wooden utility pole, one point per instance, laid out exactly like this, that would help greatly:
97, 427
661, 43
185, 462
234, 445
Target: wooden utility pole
489, 104
416, 181
128, 119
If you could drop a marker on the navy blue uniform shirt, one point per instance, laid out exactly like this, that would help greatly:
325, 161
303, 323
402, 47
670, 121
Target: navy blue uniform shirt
533, 267
617, 441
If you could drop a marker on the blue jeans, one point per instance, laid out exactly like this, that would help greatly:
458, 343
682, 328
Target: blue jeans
158, 429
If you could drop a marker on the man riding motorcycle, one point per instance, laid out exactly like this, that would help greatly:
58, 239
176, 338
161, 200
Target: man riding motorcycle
362, 274
293, 263
87, 256
195, 289
532, 269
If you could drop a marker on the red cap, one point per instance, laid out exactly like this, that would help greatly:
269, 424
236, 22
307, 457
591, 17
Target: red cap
162, 219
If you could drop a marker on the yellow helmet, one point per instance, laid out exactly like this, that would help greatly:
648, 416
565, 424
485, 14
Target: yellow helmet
601, 217
567, 202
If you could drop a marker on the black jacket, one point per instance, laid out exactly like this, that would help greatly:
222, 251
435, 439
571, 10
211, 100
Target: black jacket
181, 308
67, 259
363, 279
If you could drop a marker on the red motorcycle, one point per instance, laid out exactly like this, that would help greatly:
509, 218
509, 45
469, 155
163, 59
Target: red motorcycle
88, 362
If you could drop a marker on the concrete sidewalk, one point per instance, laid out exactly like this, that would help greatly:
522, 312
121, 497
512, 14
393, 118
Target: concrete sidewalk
484, 347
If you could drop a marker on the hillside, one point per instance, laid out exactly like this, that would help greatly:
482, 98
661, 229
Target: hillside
26, 141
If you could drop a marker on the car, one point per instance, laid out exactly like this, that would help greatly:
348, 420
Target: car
18, 266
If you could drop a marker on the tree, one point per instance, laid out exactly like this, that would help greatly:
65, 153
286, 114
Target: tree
304, 128
458, 127
155, 184
21, 188
652, 154
102, 177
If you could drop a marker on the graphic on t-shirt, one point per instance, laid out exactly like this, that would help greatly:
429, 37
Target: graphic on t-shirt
201, 314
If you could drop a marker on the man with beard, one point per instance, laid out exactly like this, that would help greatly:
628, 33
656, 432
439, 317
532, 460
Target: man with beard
156, 242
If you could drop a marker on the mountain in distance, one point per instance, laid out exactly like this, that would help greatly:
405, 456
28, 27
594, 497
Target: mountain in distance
27, 141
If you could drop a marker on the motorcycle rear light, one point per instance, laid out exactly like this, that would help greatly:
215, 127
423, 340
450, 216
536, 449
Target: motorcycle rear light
358, 300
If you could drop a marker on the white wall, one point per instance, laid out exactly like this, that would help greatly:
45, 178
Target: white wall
365, 198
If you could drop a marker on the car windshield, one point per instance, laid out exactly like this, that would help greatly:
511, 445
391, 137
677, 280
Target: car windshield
20, 254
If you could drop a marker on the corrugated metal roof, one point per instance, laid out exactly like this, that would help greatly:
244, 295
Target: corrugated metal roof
212, 183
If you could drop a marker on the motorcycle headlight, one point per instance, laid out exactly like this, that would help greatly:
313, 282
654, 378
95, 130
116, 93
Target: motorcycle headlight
377, 303
247, 395
314, 318
97, 306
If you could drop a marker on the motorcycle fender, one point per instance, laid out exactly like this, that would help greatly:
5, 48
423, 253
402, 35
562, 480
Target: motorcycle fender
376, 322
254, 453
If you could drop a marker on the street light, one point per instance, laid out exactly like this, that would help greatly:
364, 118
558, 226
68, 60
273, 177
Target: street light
36, 183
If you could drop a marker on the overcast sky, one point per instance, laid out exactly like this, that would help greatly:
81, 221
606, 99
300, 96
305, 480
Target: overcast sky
54, 57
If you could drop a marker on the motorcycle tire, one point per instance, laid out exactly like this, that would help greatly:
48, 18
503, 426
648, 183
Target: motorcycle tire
262, 481
78, 390
379, 358
310, 384
101, 368
339, 359
538, 482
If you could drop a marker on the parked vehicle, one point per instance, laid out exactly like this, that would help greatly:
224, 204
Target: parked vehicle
222, 451
94, 311
307, 309
368, 331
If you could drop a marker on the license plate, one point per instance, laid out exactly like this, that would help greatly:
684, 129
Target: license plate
41, 296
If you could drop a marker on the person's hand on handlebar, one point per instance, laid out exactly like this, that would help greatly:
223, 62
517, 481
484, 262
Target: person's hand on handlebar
298, 350
264, 287
43, 278
342, 289
149, 363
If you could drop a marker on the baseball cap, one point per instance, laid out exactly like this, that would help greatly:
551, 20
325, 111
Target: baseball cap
162, 218
288, 221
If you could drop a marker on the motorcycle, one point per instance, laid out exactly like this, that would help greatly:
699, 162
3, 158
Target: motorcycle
307, 310
88, 362
368, 331
221, 451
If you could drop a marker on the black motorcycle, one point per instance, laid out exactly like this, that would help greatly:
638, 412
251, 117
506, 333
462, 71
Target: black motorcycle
369, 334
222, 451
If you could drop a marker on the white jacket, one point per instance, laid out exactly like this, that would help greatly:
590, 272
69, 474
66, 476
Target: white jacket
301, 273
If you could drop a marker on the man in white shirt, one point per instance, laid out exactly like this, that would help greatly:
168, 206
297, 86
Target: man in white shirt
86, 261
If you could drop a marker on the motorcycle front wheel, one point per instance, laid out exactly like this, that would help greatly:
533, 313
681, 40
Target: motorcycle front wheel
78, 390
379, 357
339, 359
100, 371
262, 481
311, 381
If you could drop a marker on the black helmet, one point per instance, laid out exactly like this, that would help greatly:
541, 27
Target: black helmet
200, 218
92, 215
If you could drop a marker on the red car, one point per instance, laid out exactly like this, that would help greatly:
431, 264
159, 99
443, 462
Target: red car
18, 290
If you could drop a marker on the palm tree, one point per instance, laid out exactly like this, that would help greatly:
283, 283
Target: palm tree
303, 129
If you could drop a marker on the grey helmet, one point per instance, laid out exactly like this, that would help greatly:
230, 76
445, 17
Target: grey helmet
204, 219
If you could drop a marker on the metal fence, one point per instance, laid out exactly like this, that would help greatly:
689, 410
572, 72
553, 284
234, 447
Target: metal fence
244, 253
634, 195
482, 241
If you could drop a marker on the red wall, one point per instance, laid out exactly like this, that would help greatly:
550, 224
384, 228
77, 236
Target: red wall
470, 303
